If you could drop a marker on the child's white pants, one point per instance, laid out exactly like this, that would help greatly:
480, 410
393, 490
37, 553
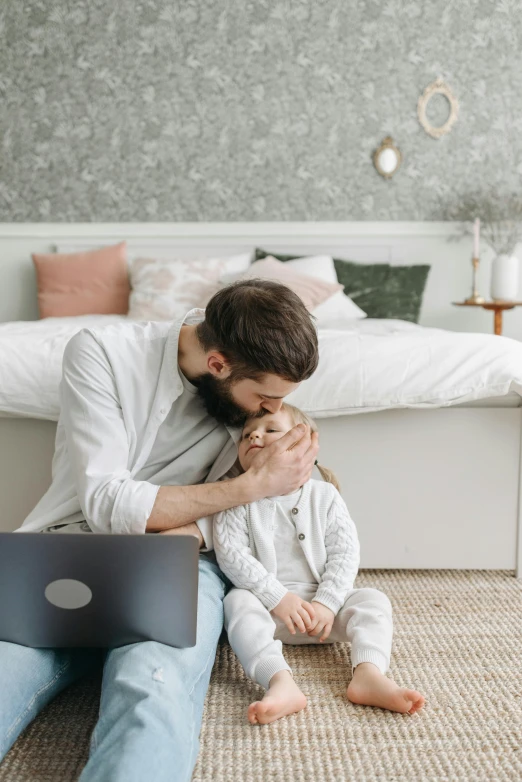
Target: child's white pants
256, 636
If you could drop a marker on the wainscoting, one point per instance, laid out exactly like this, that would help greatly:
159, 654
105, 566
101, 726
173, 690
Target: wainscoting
434, 243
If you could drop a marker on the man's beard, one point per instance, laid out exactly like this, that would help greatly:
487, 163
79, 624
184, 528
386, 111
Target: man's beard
218, 401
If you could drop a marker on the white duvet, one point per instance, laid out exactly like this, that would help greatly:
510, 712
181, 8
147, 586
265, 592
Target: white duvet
370, 365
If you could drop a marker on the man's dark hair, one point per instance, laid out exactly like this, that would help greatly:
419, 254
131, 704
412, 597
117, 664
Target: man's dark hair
261, 327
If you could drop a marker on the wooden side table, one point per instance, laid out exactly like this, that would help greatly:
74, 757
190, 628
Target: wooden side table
498, 308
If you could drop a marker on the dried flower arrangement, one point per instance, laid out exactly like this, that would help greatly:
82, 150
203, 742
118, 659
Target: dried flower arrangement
500, 220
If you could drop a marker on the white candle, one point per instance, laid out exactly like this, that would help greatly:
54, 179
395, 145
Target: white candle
476, 235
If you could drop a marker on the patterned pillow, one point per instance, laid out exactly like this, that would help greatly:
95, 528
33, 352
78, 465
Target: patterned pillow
381, 290
166, 290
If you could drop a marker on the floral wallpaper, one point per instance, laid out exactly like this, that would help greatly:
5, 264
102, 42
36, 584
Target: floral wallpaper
245, 110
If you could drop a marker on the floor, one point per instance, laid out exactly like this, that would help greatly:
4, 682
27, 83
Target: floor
458, 639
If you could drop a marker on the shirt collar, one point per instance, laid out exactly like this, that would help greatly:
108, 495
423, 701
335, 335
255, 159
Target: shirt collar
194, 316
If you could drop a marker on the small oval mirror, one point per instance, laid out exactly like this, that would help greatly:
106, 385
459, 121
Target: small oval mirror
387, 158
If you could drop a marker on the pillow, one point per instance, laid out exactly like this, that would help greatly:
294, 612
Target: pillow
320, 266
311, 290
339, 309
395, 293
95, 282
337, 312
166, 290
381, 290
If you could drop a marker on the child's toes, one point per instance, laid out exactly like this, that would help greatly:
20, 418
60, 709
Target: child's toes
259, 713
253, 717
417, 700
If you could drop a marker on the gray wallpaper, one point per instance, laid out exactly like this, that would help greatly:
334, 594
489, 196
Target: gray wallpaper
187, 110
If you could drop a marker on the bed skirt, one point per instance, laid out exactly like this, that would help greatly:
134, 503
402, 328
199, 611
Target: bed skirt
426, 488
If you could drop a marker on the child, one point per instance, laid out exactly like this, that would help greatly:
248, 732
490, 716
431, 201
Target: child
293, 561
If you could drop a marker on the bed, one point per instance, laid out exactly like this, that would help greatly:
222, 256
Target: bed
430, 469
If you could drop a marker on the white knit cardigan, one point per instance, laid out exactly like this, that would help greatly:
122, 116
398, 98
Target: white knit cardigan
244, 545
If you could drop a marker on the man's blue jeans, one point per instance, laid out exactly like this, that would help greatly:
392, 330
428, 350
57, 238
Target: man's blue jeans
151, 702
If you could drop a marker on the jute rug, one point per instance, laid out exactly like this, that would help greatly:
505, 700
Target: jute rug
458, 639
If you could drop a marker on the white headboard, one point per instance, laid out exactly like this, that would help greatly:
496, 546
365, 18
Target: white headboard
393, 242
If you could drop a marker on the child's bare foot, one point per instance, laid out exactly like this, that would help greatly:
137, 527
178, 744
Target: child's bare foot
370, 687
282, 698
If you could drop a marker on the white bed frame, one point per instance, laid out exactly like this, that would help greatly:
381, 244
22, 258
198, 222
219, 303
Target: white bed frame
427, 488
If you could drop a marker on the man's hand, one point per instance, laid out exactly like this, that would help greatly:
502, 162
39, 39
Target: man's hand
286, 464
186, 529
294, 612
322, 624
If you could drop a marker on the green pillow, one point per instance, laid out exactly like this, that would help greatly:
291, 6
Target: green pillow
381, 290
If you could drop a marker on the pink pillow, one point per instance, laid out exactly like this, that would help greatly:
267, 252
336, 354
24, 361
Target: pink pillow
311, 290
85, 283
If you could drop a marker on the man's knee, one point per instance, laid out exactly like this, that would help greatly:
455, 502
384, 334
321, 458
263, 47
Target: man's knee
212, 586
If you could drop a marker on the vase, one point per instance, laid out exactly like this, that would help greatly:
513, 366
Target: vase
504, 278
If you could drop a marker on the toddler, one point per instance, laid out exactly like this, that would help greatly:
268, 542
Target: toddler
293, 561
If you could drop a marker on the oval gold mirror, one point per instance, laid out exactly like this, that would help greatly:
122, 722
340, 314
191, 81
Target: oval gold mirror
387, 158
438, 87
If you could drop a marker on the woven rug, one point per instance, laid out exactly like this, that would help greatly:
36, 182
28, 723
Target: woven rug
458, 639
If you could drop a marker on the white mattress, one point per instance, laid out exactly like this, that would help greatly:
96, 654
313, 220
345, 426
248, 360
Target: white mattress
388, 364
509, 400
371, 365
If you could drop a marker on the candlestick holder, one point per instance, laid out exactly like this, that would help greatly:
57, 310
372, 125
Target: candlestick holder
475, 297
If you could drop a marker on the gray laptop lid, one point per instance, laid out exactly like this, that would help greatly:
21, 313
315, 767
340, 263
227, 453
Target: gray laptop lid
126, 588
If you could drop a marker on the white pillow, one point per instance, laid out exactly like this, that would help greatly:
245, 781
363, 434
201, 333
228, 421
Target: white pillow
167, 289
320, 266
337, 311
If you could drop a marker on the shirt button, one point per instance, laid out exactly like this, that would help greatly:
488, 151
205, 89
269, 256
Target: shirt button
301, 536
295, 510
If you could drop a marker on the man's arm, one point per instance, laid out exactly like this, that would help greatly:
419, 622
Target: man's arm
187, 529
277, 469
98, 449
98, 442
176, 506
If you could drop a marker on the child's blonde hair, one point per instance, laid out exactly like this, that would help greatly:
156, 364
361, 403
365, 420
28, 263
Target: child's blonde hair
298, 417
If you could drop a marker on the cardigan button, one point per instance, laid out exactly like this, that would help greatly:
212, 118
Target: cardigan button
295, 510
301, 536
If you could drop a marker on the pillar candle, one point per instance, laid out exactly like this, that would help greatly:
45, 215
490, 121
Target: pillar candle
476, 235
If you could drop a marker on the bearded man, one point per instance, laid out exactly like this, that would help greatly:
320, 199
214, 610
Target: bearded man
148, 426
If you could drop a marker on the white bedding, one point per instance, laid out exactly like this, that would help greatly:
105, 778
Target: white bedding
370, 365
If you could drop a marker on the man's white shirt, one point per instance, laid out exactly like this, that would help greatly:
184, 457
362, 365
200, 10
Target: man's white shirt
129, 423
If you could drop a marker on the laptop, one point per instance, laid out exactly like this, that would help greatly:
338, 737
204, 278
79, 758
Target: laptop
98, 590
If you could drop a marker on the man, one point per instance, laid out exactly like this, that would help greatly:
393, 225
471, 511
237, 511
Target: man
147, 428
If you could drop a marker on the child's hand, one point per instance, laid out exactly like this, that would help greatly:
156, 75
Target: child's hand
324, 619
295, 612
